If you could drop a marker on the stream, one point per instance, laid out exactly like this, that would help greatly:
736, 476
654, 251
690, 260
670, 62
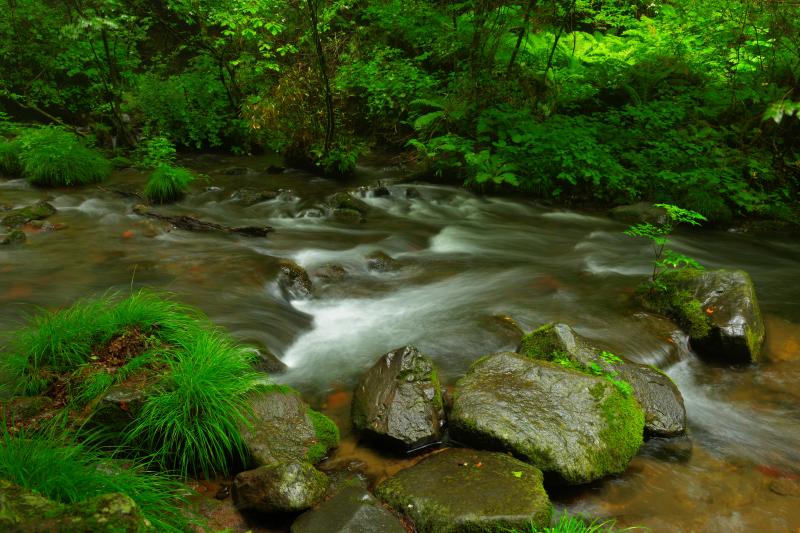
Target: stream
462, 262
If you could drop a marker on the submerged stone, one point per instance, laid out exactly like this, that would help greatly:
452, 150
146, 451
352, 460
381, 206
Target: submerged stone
293, 280
575, 426
659, 397
641, 212
379, 261
343, 200
719, 308
22, 510
253, 196
351, 510
19, 217
399, 399
280, 488
461, 490
15, 236
283, 429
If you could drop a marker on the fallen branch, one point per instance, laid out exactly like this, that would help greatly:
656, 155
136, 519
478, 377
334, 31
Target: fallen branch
194, 224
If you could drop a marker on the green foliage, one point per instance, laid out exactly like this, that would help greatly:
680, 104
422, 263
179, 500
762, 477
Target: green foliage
156, 151
64, 470
9, 158
576, 524
659, 234
52, 157
167, 184
192, 422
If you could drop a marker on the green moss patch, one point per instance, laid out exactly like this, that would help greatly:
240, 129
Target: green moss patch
327, 433
623, 434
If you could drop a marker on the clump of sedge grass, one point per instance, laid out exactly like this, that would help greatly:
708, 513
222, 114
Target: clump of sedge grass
192, 422
576, 524
52, 157
9, 158
167, 183
64, 470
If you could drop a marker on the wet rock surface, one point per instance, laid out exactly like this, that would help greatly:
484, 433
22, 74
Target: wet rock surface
659, 397
281, 430
574, 426
253, 196
15, 236
24, 511
280, 488
399, 400
379, 261
638, 213
351, 510
293, 280
120, 405
467, 490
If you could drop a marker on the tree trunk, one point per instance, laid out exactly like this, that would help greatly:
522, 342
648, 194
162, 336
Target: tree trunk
323, 75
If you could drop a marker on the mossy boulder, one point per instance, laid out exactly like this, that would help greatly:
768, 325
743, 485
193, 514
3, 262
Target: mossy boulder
379, 261
573, 426
280, 488
15, 236
399, 400
120, 405
659, 397
19, 217
718, 308
343, 200
26, 512
293, 280
351, 510
461, 490
283, 428
252, 196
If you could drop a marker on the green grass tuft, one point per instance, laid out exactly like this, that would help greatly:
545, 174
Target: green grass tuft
192, 422
167, 184
10, 165
66, 471
52, 157
576, 524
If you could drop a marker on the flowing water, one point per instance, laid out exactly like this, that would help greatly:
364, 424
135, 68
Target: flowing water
463, 262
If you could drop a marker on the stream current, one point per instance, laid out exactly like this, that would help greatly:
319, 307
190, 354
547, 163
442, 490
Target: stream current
463, 260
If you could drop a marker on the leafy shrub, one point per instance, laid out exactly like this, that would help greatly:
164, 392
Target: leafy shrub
67, 471
167, 184
52, 157
156, 151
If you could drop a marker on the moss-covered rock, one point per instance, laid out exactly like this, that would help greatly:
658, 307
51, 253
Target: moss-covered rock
283, 429
351, 510
461, 490
659, 397
19, 217
718, 308
280, 488
252, 196
575, 426
24, 511
343, 200
15, 236
399, 399
379, 261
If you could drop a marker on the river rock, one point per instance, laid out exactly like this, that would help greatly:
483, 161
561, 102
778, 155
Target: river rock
331, 272
719, 309
267, 362
293, 280
280, 488
461, 490
284, 429
641, 212
252, 196
351, 510
659, 397
21, 510
379, 261
399, 399
343, 200
15, 236
24, 408
575, 426
120, 405
38, 211
235, 171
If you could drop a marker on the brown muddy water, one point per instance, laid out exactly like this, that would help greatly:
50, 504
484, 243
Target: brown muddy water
463, 260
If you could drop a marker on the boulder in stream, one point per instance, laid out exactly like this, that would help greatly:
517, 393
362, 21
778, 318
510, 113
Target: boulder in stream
399, 400
25, 511
15, 236
379, 261
351, 510
659, 397
252, 196
459, 490
283, 428
641, 212
347, 208
573, 426
19, 217
718, 308
293, 280
279, 488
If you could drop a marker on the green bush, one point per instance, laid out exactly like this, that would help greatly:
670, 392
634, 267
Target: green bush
167, 184
52, 157
67, 471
